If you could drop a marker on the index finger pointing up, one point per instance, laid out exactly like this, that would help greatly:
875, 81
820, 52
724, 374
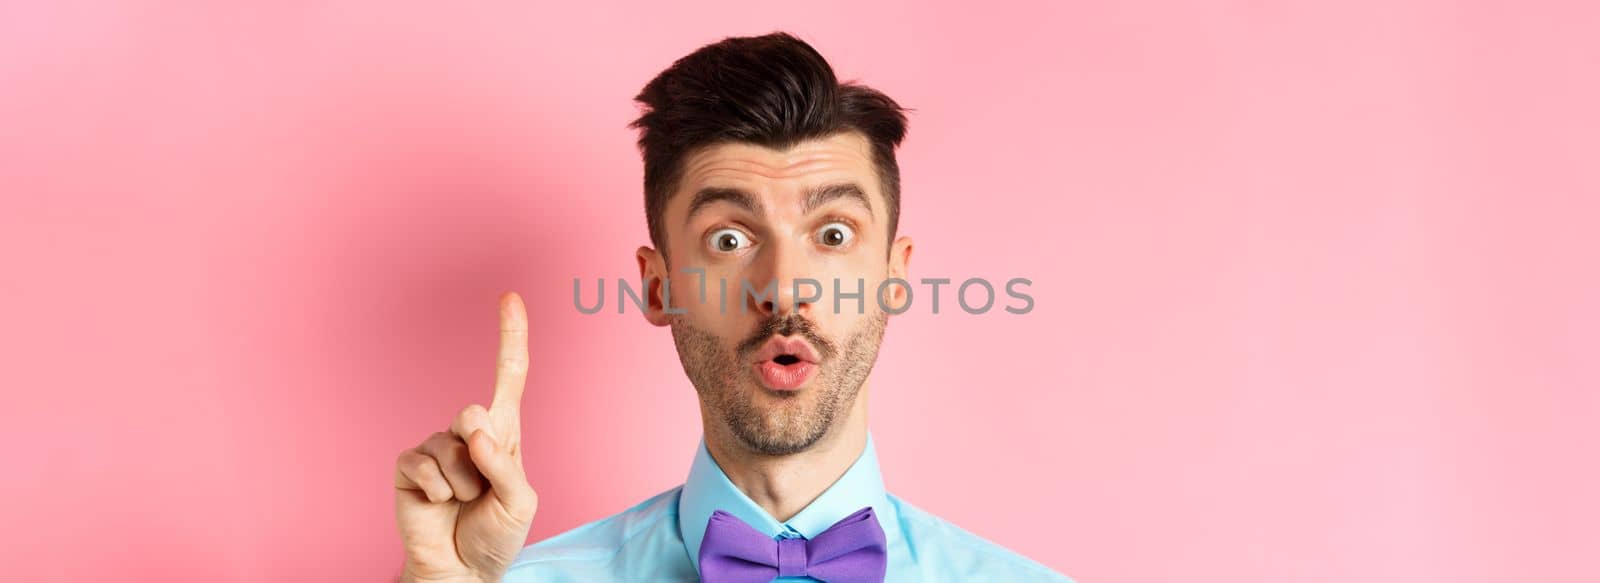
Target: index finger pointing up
511, 369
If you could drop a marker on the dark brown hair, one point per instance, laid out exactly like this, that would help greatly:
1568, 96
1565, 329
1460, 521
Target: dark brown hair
772, 90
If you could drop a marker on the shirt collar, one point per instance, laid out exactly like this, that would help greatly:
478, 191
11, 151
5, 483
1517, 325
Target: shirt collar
708, 489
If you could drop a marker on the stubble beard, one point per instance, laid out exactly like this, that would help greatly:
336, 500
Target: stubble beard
723, 378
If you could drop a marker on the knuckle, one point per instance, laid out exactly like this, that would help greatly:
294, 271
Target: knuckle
439, 493
471, 418
457, 452
437, 442
450, 453
414, 464
470, 414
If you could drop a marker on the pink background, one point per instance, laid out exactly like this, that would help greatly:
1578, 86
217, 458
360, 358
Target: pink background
1316, 286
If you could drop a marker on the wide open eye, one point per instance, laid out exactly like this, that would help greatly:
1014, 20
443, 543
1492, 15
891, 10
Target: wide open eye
727, 240
835, 234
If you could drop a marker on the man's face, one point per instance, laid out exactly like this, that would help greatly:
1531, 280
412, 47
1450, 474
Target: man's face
778, 366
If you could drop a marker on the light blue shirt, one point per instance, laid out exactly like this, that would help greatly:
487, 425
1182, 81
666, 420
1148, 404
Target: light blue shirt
659, 538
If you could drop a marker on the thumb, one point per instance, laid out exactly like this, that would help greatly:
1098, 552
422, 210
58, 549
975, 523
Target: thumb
505, 474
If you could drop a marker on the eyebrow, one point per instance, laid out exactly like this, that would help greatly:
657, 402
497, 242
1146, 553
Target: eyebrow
738, 197
825, 194
712, 194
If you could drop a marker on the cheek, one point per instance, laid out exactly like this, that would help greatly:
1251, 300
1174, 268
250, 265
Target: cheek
848, 267
858, 271
840, 312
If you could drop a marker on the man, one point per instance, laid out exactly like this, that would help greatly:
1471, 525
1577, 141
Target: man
761, 170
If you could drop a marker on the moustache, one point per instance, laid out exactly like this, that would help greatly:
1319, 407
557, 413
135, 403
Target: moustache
787, 326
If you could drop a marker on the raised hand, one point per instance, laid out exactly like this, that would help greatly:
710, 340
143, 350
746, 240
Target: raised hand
462, 500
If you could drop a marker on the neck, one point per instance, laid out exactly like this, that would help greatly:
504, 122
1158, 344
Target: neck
784, 485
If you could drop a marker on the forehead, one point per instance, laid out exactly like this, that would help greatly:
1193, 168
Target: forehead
845, 156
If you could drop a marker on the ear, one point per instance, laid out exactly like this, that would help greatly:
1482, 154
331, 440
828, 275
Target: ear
652, 271
900, 266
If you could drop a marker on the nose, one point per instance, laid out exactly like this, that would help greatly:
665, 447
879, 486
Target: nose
779, 266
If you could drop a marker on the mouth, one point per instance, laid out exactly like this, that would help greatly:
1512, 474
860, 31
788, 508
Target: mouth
786, 363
